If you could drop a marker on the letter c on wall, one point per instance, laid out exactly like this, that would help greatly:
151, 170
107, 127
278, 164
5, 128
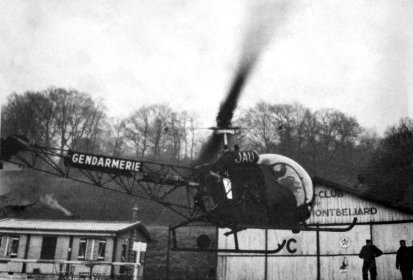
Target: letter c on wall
289, 249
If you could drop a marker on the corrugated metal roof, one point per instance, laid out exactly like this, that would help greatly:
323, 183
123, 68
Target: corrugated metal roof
65, 225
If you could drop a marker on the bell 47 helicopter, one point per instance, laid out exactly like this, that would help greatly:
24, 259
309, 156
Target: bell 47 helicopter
226, 187
237, 190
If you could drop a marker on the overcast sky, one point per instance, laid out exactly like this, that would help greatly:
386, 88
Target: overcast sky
352, 55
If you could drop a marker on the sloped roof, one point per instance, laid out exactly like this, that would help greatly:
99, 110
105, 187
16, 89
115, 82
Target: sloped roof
368, 194
70, 226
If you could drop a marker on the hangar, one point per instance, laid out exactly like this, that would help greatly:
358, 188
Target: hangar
316, 255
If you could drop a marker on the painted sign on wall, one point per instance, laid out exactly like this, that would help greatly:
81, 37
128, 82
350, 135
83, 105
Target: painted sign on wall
335, 206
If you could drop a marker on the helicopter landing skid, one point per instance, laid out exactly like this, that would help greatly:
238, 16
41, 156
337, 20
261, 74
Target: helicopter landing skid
234, 231
212, 250
307, 227
204, 244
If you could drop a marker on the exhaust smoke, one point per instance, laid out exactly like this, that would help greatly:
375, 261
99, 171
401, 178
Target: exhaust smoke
51, 201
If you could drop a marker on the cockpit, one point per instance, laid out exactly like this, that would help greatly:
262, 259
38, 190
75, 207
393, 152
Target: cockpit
289, 189
290, 175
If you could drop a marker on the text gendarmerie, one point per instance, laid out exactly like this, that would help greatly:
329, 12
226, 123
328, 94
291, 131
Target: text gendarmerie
97, 162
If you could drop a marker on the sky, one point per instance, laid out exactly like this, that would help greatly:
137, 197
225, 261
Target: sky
355, 55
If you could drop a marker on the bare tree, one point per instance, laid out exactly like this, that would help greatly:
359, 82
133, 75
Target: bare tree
114, 138
261, 132
55, 117
77, 118
137, 129
30, 114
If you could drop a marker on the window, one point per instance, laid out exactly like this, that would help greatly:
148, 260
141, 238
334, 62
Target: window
124, 252
82, 249
123, 258
289, 178
48, 248
14, 247
101, 249
228, 187
142, 257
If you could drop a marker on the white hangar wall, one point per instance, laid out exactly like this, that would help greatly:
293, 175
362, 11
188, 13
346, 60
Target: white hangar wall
336, 206
312, 255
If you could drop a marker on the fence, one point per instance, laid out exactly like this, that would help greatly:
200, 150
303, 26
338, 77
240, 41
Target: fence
22, 269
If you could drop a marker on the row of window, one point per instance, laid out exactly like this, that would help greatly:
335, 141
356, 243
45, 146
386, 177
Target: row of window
89, 249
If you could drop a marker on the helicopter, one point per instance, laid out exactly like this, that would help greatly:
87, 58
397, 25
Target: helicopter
226, 187
238, 189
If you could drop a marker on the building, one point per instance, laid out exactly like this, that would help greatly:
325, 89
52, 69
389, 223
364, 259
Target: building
71, 247
314, 255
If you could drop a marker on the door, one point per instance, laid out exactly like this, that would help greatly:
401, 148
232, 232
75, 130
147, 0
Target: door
48, 248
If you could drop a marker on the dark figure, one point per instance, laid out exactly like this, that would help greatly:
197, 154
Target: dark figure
411, 255
403, 261
368, 253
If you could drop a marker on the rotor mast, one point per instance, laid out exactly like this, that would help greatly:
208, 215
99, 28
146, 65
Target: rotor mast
225, 132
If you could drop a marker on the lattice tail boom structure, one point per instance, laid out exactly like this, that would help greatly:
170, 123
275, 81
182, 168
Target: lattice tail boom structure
142, 179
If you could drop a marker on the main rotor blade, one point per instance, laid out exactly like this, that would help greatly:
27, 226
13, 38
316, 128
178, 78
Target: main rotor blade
265, 16
258, 34
226, 112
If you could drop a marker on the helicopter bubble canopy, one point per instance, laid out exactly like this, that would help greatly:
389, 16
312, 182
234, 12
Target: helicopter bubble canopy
290, 175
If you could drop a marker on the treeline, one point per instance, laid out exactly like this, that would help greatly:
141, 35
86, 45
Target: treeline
54, 118
390, 169
68, 119
326, 142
